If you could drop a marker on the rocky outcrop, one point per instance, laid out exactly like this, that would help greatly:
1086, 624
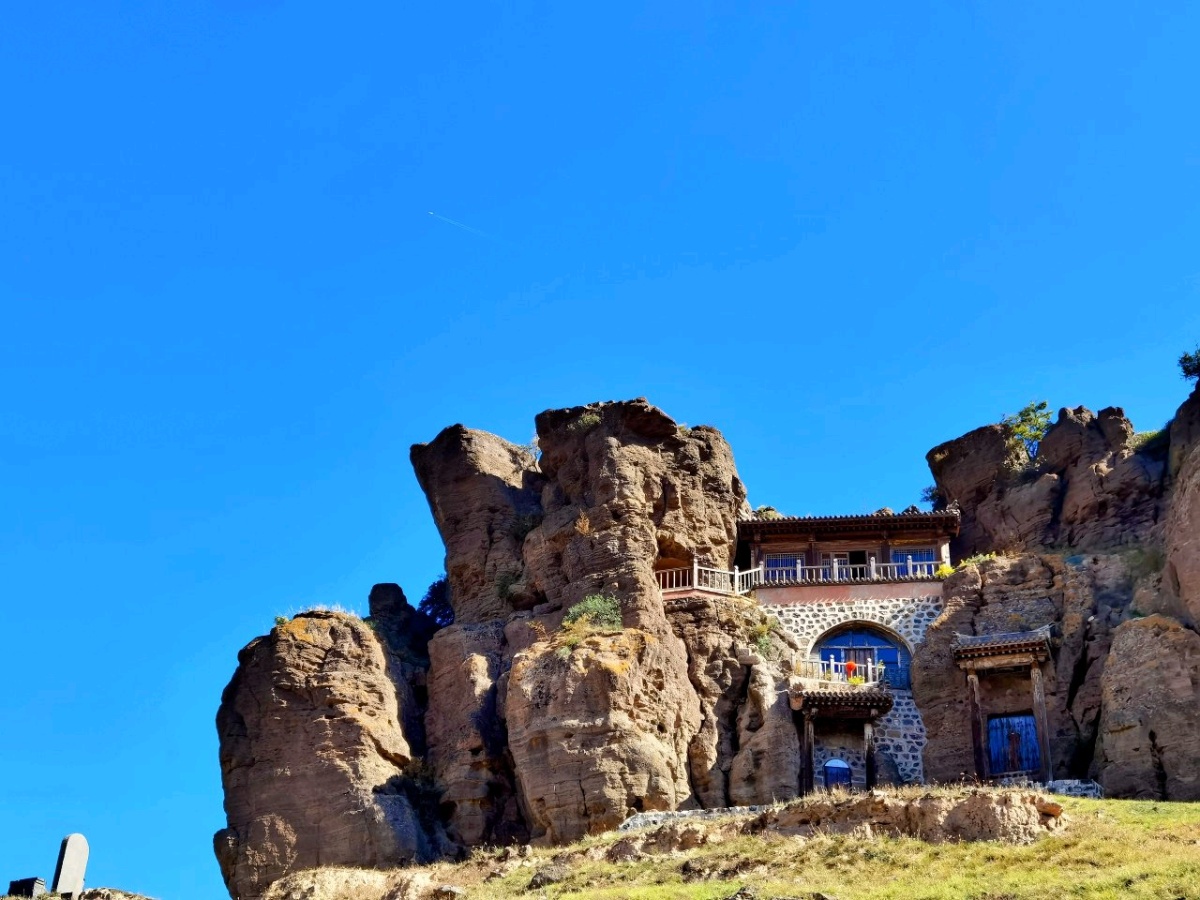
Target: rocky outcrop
485, 496
1181, 575
599, 732
1084, 599
315, 763
747, 749
1012, 817
1089, 488
1149, 734
468, 741
623, 490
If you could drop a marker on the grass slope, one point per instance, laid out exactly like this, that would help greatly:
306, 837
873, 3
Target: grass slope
1110, 849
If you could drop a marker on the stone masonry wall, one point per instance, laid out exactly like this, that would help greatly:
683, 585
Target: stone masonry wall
901, 735
806, 620
807, 612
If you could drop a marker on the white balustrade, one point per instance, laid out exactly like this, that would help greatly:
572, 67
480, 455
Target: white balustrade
839, 672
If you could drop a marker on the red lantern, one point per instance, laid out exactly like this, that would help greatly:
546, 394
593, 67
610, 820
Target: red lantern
850, 667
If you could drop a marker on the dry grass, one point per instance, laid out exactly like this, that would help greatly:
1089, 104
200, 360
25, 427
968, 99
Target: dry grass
1111, 849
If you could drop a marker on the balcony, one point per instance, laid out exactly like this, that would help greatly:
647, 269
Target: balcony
793, 570
835, 674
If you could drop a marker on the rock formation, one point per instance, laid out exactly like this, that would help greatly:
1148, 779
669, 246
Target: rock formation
1084, 599
525, 733
316, 765
620, 490
1149, 729
379, 743
1123, 686
1088, 488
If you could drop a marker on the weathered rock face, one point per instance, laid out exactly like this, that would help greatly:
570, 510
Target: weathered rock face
468, 741
1084, 599
1149, 729
316, 766
485, 495
1087, 489
627, 489
1181, 576
747, 749
601, 732
623, 490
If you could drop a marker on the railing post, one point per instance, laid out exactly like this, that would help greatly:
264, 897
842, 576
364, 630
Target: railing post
872, 569
799, 570
737, 588
833, 562
910, 566
695, 572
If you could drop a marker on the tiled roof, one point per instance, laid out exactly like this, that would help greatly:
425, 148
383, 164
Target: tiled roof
984, 644
919, 515
947, 518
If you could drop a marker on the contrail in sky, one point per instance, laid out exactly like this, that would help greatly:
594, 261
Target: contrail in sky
482, 234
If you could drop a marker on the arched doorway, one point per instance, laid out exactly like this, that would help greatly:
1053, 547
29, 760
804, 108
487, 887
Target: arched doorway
863, 643
837, 774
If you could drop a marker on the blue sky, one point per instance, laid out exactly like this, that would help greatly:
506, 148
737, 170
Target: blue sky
842, 234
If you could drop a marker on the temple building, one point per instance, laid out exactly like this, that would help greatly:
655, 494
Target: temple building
856, 593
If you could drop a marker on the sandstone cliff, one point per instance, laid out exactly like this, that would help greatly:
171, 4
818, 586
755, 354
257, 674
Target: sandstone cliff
1123, 684
1088, 488
616, 725
379, 743
522, 735
317, 765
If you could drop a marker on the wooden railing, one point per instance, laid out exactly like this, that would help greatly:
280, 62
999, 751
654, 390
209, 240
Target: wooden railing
840, 672
840, 570
725, 581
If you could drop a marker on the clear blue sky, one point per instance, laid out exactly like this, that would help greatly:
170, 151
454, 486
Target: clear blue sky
840, 233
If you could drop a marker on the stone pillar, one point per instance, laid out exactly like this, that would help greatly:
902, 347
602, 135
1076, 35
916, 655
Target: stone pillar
1039, 712
978, 731
869, 752
806, 754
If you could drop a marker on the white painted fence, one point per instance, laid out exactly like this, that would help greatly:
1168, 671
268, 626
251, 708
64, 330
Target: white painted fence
841, 672
725, 581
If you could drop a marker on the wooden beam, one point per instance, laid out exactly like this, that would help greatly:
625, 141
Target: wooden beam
1043, 730
869, 752
978, 731
806, 755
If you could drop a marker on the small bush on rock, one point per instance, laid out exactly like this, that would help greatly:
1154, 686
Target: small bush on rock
1029, 426
585, 422
1189, 364
601, 611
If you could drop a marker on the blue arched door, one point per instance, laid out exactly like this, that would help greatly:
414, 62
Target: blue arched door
837, 773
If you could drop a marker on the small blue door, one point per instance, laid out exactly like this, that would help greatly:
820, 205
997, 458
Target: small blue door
1013, 745
837, 773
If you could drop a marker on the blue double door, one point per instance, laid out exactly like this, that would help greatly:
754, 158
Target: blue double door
1013, 745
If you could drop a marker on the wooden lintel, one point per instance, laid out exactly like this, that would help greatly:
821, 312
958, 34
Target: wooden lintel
1022, 660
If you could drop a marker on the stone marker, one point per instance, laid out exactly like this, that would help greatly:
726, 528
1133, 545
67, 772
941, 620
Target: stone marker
26, 887
72, 861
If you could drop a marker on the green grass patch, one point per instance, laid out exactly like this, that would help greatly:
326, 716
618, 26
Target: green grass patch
1110, 850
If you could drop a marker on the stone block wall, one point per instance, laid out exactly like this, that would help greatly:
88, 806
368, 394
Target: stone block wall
807, 613
901, 735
